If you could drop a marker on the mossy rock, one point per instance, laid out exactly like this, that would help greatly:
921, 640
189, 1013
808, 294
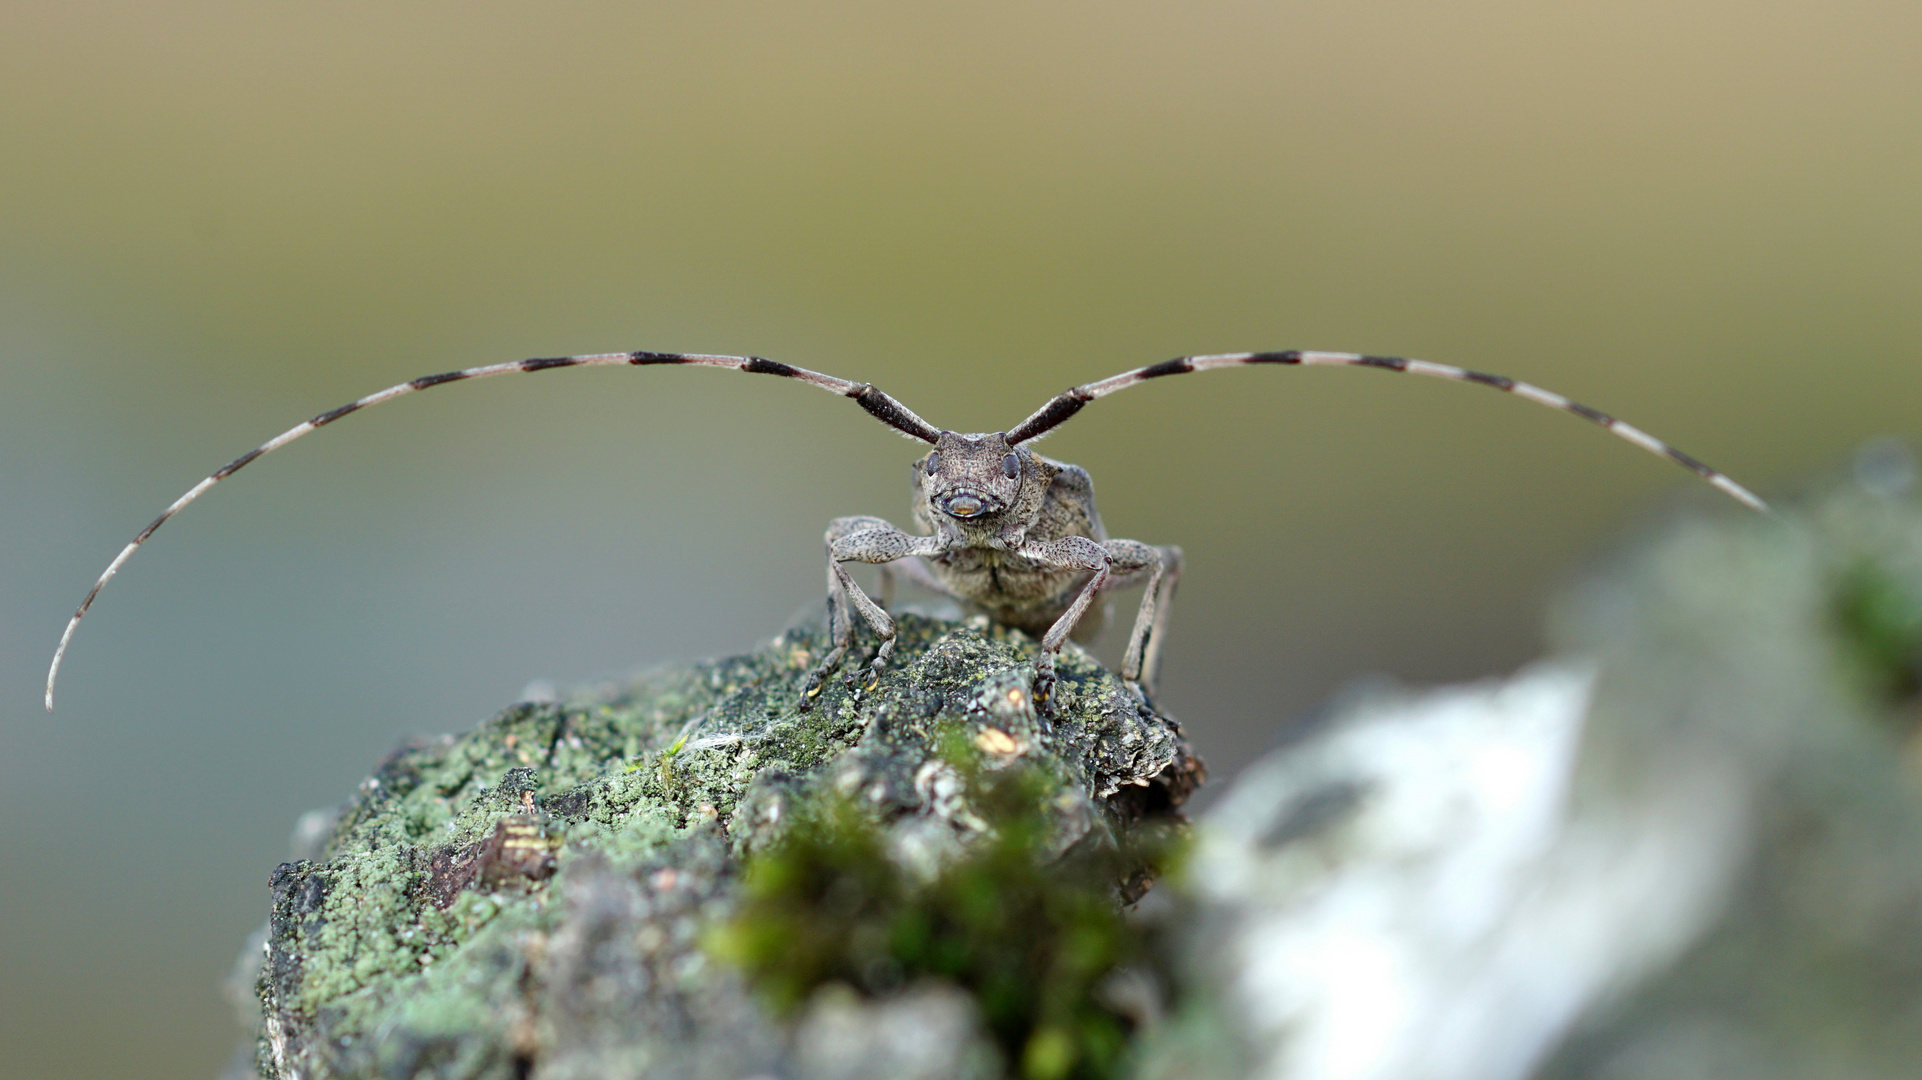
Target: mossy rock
539, 897
1688, 845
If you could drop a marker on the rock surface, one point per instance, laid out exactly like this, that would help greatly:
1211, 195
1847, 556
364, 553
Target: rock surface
1690, 847
532, 898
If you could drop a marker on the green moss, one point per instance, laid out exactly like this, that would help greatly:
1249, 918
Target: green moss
1029, 934
1880, 620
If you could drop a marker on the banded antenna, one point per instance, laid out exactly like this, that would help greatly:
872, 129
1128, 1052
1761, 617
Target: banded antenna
880, 405
1064, 405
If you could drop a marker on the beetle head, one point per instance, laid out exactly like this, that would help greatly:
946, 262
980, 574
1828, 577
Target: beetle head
974, 479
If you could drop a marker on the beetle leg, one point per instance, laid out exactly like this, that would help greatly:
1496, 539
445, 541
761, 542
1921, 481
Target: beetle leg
869, 540
1072, 553
1141, 663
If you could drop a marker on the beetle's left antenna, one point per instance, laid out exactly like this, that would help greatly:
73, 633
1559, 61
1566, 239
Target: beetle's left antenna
1064, 405
879, 405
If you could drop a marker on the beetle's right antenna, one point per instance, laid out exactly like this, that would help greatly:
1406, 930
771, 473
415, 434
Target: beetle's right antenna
879, 405
1064, 405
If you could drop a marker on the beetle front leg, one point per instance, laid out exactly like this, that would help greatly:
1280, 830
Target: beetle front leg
876, 617
1068, 553
869, 540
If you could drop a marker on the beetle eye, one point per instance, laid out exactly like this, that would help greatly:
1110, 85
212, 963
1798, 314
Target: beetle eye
1011, 466
934, 464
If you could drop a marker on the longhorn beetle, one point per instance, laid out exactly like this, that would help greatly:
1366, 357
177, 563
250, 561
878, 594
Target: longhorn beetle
1011, 533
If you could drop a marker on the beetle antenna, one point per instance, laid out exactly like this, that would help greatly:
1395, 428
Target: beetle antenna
1057, 411
879, 405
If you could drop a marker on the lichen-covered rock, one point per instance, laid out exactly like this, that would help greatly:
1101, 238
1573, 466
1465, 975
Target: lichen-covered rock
927, 1033
1372, 904
533, 898
1689, 847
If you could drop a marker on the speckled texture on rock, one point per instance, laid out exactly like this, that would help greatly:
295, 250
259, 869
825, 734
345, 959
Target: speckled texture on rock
528, 899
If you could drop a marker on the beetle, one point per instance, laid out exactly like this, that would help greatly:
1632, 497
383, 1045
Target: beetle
1008, 532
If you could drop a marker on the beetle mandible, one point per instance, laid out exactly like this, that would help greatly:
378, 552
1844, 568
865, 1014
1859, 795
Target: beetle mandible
1008, 532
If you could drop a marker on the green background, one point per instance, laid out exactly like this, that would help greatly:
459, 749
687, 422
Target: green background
219, 218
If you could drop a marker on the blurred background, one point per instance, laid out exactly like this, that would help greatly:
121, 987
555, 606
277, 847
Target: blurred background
217, 219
